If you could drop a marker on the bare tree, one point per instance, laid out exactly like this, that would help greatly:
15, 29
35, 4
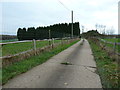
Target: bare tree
104, 29
96, 26
110, 31
83, 28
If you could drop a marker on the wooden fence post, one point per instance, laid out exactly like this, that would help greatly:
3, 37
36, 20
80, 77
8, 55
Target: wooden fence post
52, 42
49, 40
61, 41
114, 47
67, 39
34, 44
49, 37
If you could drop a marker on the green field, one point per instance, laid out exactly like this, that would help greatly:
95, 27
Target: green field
26, 64
112, 39
106, 67
117, 40
11, 40
11, 49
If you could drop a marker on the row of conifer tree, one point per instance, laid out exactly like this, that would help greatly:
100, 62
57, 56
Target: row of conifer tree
52, 31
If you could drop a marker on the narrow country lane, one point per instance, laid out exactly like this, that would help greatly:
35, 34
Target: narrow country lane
53, 74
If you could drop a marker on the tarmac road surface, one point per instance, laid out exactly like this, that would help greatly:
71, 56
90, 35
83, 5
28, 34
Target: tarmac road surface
53, 74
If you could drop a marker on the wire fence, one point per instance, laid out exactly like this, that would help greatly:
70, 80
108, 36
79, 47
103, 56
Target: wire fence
111, 48
114, 45
12, 48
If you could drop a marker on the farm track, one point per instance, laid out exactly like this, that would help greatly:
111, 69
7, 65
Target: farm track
52, 74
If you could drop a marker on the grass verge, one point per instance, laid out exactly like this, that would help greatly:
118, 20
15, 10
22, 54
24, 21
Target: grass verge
25, 65
107, 69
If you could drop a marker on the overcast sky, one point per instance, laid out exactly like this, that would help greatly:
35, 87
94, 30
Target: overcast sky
29, 13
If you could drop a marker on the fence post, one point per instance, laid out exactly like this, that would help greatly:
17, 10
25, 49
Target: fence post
61, 41
49, 37
114, 47
34, 44
67, 39
49, 41
52, 42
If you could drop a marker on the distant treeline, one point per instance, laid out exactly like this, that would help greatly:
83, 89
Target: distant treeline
7, 37
56, 31
91, 33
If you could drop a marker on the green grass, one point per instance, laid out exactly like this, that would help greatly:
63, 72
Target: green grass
112, 39
25, 65
11, 49
107, 69
11, 40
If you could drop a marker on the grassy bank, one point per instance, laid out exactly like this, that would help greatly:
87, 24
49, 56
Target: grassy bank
11, 49
25, 65
107, 69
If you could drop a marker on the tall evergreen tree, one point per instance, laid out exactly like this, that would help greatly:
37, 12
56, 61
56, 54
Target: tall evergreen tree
19, 34
31, 33
57, 31
24, 34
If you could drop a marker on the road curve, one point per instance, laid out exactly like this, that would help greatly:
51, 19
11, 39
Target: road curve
53, 74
